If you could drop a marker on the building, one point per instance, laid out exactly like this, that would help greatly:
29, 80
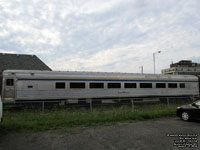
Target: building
183, 67
20, 62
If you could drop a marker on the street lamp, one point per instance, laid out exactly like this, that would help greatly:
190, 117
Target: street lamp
154, 65
141, 69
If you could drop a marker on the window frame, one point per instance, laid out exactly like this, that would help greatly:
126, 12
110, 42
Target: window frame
114, 83
130, 87
171, 87
160, 87
30, 86
77, 83
91, 85
182, 85
57, 86
146, 87
9, 82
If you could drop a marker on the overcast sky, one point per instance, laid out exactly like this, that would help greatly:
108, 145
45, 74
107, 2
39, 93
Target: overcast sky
102, 35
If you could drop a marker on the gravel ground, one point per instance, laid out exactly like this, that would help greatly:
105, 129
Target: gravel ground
156, 134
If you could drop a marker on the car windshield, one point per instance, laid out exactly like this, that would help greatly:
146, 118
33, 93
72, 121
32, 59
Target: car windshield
197, 103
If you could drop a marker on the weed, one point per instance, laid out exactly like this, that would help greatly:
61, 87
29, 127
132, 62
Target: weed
30, 120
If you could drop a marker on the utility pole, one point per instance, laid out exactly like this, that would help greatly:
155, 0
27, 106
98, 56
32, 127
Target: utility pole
154, 64
141, 69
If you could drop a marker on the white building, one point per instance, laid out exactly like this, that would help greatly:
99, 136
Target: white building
183, 67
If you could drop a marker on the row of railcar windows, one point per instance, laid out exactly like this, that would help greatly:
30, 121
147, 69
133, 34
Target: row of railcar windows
81, 85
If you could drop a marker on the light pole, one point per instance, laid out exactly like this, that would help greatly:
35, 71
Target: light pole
141, 69
154, 65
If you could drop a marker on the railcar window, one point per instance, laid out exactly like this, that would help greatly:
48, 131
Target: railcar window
130, 85
77, 85
96, 85
182, 85
60, 85
9, 82
172, 85
30, 86
145, 85
160, 85
114, 85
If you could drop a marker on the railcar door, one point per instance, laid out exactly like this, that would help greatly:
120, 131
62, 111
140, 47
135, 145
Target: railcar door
9, 89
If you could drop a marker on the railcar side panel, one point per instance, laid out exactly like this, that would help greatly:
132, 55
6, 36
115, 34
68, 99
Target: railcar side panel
39, 85
46, 90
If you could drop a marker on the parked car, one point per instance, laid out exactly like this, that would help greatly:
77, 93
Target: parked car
189, 112
1, 110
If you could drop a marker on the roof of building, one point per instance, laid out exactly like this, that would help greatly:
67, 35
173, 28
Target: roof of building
185, 63
22, 62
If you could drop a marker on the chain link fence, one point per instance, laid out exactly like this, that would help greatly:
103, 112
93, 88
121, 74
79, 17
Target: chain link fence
98, 103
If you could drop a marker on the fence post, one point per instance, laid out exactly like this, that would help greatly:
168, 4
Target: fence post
167, 101
193, 98
90, 104
42, 106
132, 103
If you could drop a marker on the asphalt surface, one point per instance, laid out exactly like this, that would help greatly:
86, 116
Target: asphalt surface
159, 134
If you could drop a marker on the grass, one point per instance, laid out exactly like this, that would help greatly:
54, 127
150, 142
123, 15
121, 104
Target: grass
30, 120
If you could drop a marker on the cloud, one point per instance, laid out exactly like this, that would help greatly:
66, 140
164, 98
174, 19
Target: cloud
5, 51
102, 35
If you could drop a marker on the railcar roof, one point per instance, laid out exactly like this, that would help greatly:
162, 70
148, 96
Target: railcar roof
86, 74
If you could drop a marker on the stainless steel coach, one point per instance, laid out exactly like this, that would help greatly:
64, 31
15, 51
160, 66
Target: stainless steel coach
60, 85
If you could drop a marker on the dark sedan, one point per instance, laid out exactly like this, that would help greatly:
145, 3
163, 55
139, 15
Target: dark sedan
189, 112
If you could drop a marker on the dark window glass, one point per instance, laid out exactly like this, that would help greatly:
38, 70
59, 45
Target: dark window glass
160, 85
182, 85
96, 85
9, 82
130, 85
145, 85
172, 85
30, 86
60, 85
114, 85
77, 85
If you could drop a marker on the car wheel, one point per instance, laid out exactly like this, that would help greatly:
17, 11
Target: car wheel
185, 116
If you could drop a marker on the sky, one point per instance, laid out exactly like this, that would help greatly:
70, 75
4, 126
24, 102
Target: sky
102, 35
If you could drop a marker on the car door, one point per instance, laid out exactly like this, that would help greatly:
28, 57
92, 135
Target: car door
196, 110
1, 110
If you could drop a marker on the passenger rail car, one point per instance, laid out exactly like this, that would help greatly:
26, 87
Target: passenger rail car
59, 85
